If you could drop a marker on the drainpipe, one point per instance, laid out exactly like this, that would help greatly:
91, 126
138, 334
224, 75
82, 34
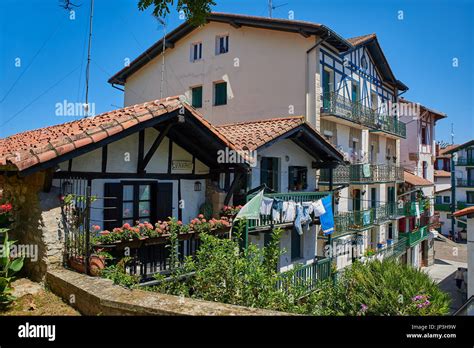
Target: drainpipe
318, 42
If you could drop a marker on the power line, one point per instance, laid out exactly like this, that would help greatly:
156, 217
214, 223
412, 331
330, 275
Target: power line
38, 97
31, 63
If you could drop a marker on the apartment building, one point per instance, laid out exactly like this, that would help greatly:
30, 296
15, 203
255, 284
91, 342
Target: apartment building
240, 68
462, 188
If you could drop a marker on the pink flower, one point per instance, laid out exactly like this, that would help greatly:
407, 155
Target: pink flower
126, 226
180, 223
201, 216
95, 227
103, 233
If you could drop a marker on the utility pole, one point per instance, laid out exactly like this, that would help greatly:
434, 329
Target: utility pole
86, 105
270, 8
452, 133
163, 23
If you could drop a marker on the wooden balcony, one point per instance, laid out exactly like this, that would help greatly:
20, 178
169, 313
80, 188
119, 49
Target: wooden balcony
465, 161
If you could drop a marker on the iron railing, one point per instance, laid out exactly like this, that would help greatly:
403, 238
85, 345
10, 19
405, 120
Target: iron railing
342, 107
363, 173
465, 183
307, 276
465, 161
266, 221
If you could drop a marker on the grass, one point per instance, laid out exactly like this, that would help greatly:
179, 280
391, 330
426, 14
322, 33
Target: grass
43, 303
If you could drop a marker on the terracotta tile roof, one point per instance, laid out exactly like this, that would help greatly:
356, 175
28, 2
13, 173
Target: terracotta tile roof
463, 212
455, 148
253, 134
416, 180
29, 148
442, 152
358, 40
442, 174
438, 115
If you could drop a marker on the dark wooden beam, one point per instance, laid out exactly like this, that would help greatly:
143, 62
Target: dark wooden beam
104, 159
141, 150
92, 146
304, 33
232, 188
158, 176
154, 147
170, 155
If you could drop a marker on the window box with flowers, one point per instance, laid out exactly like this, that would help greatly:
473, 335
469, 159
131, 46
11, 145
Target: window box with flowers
230, 211
5, 215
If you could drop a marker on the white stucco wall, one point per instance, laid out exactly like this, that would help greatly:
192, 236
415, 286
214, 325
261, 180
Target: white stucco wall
297, 157
260, 85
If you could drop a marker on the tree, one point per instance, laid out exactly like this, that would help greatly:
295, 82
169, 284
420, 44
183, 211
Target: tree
196, 11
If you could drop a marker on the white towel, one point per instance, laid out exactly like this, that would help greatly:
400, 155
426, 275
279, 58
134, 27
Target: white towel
289, 211
318, 208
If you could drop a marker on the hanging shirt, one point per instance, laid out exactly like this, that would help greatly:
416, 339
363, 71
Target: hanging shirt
318, 208
266, 206
277, 208
308, 206
417, 209
298, 219
289, 211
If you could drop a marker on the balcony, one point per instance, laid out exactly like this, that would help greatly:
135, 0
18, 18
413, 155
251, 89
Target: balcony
363, 174
343, 108
447, 206
353, 221
265, 222
416, 236
463, 161
464, 183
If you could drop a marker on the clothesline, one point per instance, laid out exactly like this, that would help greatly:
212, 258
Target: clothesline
377, 201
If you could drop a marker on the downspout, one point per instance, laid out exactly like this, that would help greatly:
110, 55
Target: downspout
318, 42
120, 89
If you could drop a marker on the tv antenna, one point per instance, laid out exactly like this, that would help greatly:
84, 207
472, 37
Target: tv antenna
163, 24
271, 7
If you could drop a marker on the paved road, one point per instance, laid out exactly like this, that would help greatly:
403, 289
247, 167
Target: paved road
448, 257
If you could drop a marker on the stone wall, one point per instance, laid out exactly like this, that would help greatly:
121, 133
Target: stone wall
37, 221
98, 296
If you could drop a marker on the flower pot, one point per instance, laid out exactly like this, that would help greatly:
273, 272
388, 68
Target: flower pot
77, 263
96, 264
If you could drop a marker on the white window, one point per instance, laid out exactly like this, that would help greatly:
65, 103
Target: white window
196, 51
222, 44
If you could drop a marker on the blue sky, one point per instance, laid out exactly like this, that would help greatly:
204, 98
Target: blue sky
52, 51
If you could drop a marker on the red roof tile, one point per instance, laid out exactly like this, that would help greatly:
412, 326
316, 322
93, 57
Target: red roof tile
416, 180
253, 134
463, 212
29, 148
358, 40
442, 174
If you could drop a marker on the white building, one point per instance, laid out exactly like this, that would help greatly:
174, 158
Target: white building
462, 167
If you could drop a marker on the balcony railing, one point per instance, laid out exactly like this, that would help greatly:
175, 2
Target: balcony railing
337, 105
415, 236
447, 206
465, 183
307, 276
465, 161
360, 220
353, 221
363, 173
266, 221
393, 250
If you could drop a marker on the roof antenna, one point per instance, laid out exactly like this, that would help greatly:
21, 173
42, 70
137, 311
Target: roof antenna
86, 105
163, 24
271, 7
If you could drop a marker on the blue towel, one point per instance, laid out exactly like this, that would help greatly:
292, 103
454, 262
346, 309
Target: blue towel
327, 219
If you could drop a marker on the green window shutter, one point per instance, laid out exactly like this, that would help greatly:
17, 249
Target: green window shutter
220, 93
197, 97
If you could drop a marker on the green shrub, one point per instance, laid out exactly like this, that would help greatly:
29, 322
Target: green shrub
379, 288
9, 266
